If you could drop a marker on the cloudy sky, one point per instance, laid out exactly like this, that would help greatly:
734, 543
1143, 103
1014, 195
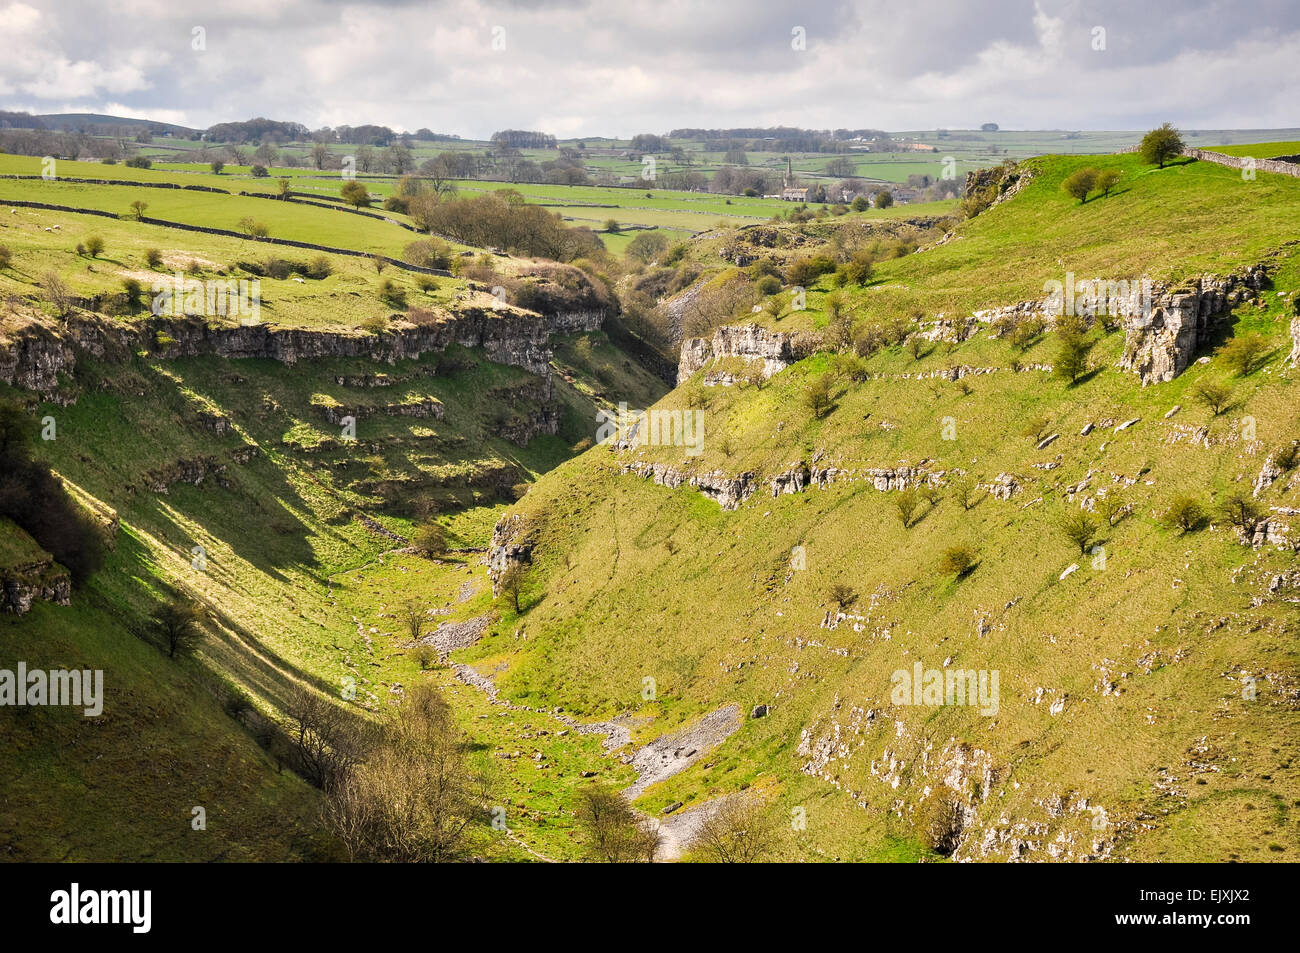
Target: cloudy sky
619, 67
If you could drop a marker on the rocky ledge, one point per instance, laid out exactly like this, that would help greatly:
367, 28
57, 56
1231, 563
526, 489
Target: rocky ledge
24, 584
776, 349
33, 356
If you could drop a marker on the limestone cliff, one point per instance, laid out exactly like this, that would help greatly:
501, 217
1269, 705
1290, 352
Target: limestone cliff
752, 342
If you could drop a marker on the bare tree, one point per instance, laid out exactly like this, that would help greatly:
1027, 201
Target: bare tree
178, 622
511, 582
614, 832
328, 740
57, 294
413, 616
414, 797
738, 831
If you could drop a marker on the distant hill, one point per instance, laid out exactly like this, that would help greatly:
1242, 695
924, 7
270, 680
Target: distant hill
93, 122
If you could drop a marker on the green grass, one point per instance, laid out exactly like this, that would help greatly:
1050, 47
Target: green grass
631, 580
1261, 150
1166, 224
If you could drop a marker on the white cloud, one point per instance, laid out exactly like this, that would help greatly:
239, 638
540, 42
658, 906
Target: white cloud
596, 68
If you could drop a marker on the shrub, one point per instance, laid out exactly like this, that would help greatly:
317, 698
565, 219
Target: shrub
1185, 513
430, 538
1241, 511
1025, 332
392, 294
318, 268
1287, 456
1078, 527
405, 793
375, 324
1107, 179
425, 656
278, 268
259, 172
6, 256
1035, 428
817, 395
615, 833
153, 258
857, 270
253, 228
421, 316
842, 594
768, 285
869, 339
138, 208
1244, 353
738, 831
428, 253
958, 560
1214, 395
907, 502
1079, 183
1109, 507
138, 162
94, 246
806, 270
133, 290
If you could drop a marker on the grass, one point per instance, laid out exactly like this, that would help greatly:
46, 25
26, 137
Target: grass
1166, 224
1120, 684
1260, 150
720, 617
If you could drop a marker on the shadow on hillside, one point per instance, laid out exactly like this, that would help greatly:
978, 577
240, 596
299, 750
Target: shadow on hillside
1086, 376
246, 659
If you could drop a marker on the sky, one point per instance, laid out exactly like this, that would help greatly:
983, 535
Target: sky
622, 67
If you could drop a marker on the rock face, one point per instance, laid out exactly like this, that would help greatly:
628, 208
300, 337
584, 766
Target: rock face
727, 492
32, 357
1295, 337
776, 349
22, 585
1159, 346
510, 546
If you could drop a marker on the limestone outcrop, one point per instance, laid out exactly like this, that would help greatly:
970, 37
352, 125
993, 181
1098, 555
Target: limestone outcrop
1160, 345
751, 342
33, 356
43, 579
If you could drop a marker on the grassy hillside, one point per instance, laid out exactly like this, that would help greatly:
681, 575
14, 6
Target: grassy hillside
1169, 224
1147, 696
1124, 692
